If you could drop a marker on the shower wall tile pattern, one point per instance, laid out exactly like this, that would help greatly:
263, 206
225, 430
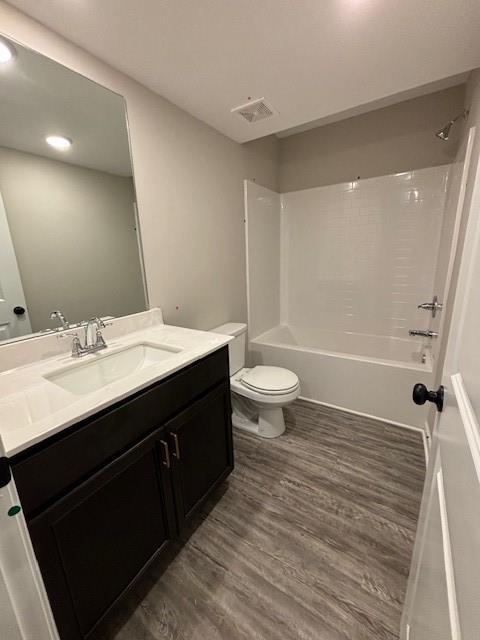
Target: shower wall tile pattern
360, 256
262, 211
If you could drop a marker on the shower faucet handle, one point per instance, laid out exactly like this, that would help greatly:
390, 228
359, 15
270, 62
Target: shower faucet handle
432, 306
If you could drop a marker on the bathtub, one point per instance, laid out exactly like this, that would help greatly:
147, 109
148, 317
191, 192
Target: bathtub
365, 374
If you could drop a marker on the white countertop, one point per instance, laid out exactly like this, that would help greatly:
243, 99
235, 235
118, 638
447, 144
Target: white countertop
33, 408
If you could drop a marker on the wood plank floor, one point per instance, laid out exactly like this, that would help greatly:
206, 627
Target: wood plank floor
309, 539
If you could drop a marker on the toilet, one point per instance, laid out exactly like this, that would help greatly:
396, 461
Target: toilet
259, 393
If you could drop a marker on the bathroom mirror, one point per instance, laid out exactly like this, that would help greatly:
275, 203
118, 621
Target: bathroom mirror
69, 238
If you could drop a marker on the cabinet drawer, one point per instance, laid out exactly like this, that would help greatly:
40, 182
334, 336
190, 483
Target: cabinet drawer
43, 473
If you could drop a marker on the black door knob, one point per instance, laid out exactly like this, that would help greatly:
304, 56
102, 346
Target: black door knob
18, 311
421, 394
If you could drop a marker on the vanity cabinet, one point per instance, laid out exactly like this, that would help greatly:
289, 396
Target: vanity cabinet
201, 450
114, 509
92, 543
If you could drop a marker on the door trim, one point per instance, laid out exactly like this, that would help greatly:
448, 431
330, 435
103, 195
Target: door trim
434, 483
469, 420
448, 561
435, 477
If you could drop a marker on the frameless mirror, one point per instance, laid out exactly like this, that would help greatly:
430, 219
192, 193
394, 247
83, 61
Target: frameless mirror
69, 242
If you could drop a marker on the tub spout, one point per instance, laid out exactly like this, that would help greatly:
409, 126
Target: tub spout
425, 333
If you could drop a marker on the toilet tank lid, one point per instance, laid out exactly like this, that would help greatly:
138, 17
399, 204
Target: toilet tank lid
231, 329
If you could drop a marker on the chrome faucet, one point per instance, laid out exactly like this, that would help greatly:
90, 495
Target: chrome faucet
93, 335
63, 321
426, 333
93, 339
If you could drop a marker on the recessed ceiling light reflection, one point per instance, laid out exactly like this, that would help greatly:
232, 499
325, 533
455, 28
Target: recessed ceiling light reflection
7, 51
59, 142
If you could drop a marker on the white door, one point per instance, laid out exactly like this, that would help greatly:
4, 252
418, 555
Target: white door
443, 596
11, 291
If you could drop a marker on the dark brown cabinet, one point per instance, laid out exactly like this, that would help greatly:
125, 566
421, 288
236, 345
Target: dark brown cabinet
93, 542
201, 450
97, 529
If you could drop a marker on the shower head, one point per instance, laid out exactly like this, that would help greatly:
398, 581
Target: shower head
444, 132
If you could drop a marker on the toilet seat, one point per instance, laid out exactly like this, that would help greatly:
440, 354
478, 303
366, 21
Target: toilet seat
269, 380
259, 394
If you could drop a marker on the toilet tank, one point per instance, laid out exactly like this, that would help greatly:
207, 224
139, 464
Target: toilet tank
236, 348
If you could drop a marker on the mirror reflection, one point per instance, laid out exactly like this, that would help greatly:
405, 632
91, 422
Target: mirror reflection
69, 244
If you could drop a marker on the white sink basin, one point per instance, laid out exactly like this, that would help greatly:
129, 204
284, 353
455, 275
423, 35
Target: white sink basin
91, 376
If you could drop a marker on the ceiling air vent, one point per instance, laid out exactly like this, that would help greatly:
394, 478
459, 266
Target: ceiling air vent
254, 110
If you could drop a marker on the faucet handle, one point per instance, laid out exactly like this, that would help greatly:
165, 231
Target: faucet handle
104, 323
77, 348
99, 322
433, 306
67, 334
99, 340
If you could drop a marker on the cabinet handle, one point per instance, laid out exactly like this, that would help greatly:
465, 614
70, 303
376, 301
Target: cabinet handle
166, 451
176, 453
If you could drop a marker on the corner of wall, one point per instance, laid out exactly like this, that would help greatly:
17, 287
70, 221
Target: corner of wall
261, 159
375, 143
472, 101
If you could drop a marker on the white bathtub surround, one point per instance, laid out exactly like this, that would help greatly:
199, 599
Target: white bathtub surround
342, 286
43, 397
263, 242
384, 349
452, 236
378, 385
362, 255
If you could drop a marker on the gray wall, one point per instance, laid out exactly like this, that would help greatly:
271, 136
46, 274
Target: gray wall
262, 161
189, 181
384, 141
73, 230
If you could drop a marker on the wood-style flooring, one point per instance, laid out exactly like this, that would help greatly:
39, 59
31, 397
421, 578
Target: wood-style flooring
309, 539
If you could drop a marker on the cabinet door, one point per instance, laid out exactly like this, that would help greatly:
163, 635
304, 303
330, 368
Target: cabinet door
92, 543
202, 451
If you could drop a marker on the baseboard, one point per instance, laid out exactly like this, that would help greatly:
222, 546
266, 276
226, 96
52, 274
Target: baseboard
402, 425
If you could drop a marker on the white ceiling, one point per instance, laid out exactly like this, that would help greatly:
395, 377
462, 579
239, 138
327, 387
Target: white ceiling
309, 58
40, 97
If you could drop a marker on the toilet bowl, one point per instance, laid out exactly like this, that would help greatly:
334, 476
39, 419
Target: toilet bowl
258, 393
